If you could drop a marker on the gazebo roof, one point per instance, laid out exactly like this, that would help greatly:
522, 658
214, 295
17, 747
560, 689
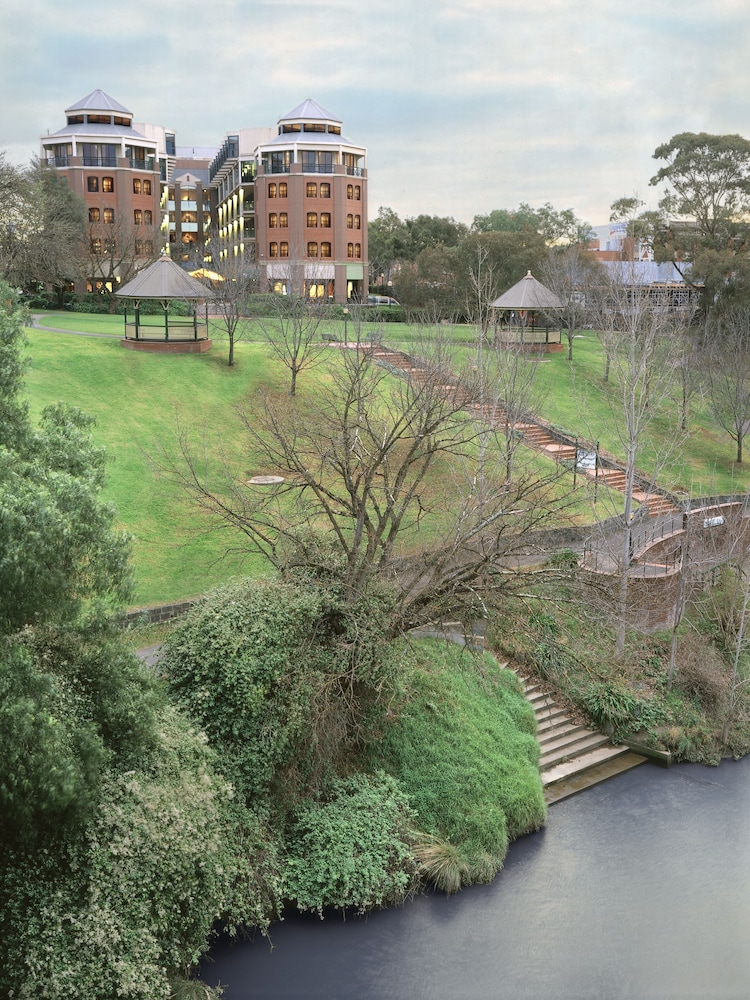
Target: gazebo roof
528, 293
164, 280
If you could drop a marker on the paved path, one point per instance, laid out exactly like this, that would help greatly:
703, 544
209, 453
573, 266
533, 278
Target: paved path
36, 325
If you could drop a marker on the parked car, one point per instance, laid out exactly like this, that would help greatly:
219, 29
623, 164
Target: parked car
382, 300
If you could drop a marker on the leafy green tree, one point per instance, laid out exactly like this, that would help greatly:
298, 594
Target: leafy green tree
705, 206
557, 227
427, 231
118, 850
389, 244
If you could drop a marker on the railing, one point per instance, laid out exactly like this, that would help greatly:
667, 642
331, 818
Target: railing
59, 161
137, 163
317, 168
99, 161
355, 171
278, 168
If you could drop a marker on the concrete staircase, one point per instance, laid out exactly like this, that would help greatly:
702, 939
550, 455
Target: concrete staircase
572, 756
537, 437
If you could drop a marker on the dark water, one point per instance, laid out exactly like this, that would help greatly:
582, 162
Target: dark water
637, 888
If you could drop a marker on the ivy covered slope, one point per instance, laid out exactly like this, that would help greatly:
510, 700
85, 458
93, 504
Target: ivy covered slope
114, 856
366, 766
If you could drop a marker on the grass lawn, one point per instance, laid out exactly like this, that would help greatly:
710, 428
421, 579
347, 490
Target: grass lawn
138, 398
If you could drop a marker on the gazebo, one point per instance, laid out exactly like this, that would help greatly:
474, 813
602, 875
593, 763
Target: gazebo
521, 306
164, 281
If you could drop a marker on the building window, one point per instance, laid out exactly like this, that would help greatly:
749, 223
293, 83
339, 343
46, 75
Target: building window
283, 249
148, 248
325, 220
311, 189
93, 184
325, 249
136, 185
357, 192
350, 221
350, 191
108, 215
283, 220
357, 221
312, 249
273, 250
350, 250
108, 184
312, 220
137, 217
147, 187
96, 246
357, 250
271, 190
325, 190
273, 220
139, 248
94, 215
283, 189
148, 217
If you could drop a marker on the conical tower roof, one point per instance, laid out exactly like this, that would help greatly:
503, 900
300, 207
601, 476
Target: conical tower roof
528, 293
97, 100
311, 111
164, 280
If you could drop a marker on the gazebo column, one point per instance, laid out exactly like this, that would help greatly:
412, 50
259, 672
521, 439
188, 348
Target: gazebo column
137, 318
165, 306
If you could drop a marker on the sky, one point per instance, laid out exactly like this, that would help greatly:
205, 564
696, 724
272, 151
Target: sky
464, 106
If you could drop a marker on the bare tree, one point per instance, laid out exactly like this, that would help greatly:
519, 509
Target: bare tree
371, 462
638, 340
233, 279
572, 274
114, 249
728, 371
293, 332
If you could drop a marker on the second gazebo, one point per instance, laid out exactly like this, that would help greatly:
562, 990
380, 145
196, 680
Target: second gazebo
166, 282
525, 313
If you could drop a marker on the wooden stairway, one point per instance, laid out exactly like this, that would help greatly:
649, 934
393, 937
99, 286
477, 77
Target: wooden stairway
572, 756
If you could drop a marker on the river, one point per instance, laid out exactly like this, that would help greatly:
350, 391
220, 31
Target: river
636, 888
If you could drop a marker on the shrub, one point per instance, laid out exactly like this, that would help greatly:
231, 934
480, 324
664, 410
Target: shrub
126, 908
610, 706
462, 746
702, 671
353, 849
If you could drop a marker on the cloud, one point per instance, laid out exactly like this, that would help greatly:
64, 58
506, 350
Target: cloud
463, 107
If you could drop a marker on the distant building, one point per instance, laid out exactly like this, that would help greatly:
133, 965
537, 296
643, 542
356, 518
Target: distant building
290, 200
115, 169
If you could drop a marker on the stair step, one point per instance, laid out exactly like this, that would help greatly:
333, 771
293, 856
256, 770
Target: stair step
562, 736
550, 719
563, 788
581, 764
565, 728
574, 750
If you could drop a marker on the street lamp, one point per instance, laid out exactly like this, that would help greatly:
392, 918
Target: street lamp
346, 324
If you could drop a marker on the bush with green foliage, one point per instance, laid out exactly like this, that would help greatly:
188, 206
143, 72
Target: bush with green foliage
118, 846
462, 745
353, 849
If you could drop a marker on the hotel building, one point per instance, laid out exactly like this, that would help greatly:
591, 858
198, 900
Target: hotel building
291, 201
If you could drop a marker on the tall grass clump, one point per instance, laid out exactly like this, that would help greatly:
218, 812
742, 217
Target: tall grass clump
462, 746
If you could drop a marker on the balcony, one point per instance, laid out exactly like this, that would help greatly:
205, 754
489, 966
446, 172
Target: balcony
138, 163
317, 168
278, 168
355, 171
58, 161
99, 161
